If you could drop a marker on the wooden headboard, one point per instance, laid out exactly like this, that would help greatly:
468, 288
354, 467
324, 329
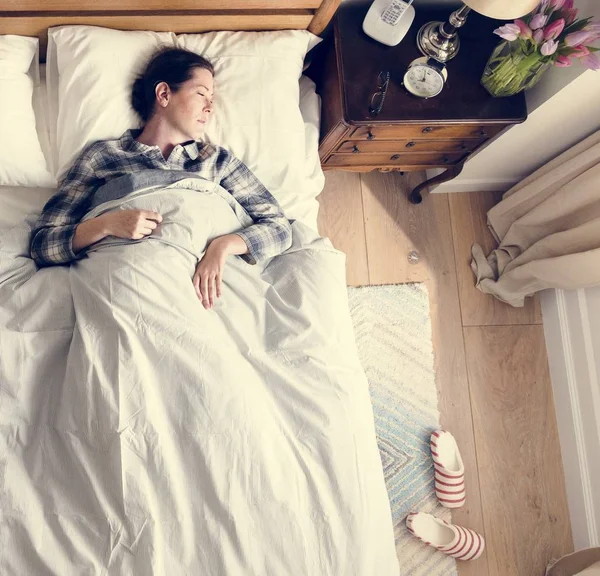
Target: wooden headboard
34, 17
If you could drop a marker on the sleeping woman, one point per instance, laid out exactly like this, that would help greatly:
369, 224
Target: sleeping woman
174, 98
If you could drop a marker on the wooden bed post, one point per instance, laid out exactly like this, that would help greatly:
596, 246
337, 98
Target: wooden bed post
323, 15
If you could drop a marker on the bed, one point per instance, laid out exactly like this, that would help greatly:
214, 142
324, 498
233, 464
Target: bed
144, 435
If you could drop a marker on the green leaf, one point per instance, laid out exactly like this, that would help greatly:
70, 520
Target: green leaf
592, 49
553, 17
577, 25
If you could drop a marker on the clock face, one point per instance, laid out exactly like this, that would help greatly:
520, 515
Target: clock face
423, 81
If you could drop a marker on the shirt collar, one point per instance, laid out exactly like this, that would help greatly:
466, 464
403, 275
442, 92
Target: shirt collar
128, 142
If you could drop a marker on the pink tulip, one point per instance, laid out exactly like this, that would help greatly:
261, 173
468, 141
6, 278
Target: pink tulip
538, 36
580, 51
549, 47
563, 62
570, 15
556, 4
591, 61
568, 5
554, 30
525, 30
542, 6
581, 37
538, 21
509, 32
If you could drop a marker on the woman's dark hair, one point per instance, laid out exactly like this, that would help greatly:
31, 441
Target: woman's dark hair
171, 65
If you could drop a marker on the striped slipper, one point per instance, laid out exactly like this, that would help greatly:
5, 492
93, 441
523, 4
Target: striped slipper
456, 541
449, 470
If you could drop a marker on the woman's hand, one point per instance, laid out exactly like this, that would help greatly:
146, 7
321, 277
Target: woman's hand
133, 224
209, 272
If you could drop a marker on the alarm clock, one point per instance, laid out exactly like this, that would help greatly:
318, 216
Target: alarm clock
425, 77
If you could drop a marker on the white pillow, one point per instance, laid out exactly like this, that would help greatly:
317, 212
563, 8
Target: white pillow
96, 68
42, 120
22, 162
257, 114
310, 107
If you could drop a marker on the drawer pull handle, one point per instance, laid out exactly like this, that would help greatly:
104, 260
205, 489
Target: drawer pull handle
395, 157
483, 133
464, 147
445, 160
410, 144
370, 135
427, 129
355, 149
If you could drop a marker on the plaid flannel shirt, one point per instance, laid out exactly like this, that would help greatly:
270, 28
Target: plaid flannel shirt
52, 236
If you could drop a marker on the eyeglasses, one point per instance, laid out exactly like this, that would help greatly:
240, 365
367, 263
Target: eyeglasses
376, 104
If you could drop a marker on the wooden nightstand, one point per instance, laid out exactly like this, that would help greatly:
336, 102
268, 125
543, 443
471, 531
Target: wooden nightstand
410, 133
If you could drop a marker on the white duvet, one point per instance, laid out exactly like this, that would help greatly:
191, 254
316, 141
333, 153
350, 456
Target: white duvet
141, 434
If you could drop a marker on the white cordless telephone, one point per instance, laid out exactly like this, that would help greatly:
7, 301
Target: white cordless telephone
388, 21
392, 14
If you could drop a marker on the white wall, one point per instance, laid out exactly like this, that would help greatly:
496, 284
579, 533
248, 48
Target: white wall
572, 331
564, 119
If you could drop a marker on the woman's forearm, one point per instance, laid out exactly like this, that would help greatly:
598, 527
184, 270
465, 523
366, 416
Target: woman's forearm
230, 244
88, 232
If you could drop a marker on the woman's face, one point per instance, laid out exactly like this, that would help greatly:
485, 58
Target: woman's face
188, 109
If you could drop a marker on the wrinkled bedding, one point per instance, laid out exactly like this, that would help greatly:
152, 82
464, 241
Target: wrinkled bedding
141, 434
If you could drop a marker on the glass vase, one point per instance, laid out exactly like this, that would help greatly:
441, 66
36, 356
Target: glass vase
511, 69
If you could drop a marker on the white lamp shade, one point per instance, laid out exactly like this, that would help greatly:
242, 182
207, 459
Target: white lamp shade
502, 9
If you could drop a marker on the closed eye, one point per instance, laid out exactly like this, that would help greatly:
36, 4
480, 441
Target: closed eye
211, 102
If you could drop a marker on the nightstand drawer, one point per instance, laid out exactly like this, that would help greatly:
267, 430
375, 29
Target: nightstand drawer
429, 131
406, 159
397, 146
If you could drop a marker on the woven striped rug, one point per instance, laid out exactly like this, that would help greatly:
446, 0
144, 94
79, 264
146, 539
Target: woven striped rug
392, 327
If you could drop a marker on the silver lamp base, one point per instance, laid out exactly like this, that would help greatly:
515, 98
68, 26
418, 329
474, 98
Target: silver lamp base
439, 40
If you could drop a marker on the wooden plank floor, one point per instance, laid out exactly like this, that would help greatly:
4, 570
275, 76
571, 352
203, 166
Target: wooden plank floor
491, 365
